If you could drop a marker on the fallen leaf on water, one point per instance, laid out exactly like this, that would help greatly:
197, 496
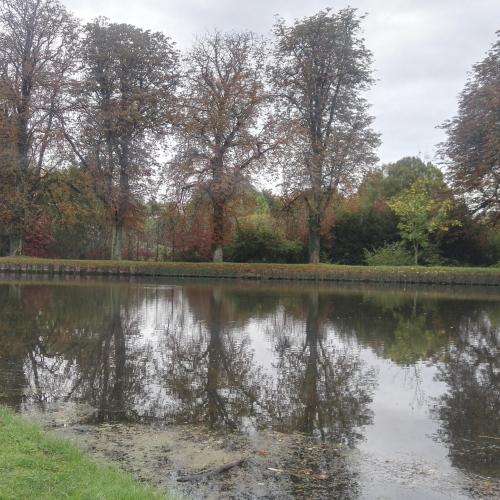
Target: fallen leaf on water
321, 477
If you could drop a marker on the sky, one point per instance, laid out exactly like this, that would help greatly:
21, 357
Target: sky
423, 50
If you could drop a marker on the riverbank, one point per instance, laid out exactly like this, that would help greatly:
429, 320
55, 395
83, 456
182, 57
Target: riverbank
306, 272
34, 464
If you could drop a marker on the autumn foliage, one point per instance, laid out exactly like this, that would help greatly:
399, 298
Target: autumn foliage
115, 144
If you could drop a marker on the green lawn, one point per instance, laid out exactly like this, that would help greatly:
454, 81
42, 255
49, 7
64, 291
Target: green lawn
34, 464
312, 272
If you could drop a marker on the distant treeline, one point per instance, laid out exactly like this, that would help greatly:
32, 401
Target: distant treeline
114, 144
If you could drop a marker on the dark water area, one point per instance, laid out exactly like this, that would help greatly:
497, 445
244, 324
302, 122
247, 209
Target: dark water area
381, 392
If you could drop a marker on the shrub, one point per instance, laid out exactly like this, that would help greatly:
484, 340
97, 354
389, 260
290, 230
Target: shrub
262, 244
360, 227
190, 255
431, 256
39, 238
391, 254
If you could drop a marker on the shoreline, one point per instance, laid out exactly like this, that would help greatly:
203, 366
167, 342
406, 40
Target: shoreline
37, 463
247, 271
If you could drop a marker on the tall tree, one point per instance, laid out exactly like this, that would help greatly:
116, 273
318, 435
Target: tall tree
321, 69
222, 133
472, 150
123, 104
37, 41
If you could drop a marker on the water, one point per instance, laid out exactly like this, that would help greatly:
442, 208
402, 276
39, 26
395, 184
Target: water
336, 391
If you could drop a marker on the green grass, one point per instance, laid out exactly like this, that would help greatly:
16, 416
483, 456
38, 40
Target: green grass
34, 464
312, 272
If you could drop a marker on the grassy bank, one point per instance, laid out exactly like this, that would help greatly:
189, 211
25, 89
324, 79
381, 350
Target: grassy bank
311, 272
34, 464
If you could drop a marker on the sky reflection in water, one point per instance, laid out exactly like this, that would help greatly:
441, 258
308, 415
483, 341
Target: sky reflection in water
413, 374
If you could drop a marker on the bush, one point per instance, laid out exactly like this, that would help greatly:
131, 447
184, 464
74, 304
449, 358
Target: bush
39, 238
392, 254
261, 244
360, 228
430, 256
189, 255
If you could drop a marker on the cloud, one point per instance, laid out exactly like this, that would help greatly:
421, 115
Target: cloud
422, 49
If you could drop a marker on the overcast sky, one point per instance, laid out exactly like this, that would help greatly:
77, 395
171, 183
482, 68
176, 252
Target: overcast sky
422, 49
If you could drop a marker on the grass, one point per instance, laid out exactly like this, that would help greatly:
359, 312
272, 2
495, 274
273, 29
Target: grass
312, 272
34, 464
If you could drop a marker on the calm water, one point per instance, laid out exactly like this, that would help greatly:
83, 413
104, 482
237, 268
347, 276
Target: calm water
408, 381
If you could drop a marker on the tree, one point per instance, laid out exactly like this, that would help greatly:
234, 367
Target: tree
320, 70
472, 150
400, 175
123, 105
365, 224
222, 132
422, 211
37, 42
78, 216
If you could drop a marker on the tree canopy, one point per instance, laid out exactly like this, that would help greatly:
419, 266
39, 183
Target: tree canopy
116, 144
472, 150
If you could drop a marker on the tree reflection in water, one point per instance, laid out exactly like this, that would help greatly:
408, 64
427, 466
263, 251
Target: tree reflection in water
67, 344
313, 389
211, 372
75, 343
111, 377
12, 353
323, 389
469, 412
31, 368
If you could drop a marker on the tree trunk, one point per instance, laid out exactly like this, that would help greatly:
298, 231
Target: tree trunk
15, 246
22, 169
123, 203
16, 239
172, 257
415, 247
117, 242
314, 238
157, 239
218, 221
